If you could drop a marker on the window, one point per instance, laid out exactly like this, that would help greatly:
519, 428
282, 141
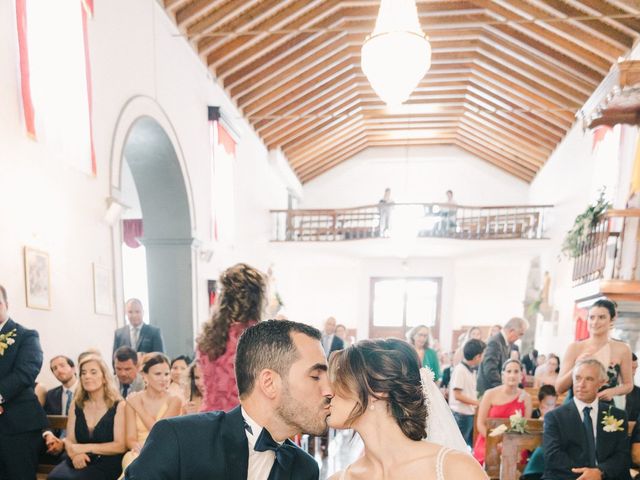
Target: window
397, 304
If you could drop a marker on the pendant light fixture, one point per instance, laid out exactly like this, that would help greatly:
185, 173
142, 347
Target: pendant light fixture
397, 54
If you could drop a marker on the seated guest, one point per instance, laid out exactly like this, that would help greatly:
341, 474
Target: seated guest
58, 402
195, 391
632, 406
145, 408
581, 438
548, 399
95, 438
635, 444
179, 367
530, 361
463, 397
128, 379
501, 402
549, 374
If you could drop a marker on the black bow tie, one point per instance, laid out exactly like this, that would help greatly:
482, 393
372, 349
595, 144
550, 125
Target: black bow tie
284, 455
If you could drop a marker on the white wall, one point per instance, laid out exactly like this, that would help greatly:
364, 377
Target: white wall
49, 206
424, 177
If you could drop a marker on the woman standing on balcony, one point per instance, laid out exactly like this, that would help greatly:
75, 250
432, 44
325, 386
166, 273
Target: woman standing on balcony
613, 354
240, 305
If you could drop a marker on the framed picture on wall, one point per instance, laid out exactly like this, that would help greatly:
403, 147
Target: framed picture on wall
102, 295
37, 277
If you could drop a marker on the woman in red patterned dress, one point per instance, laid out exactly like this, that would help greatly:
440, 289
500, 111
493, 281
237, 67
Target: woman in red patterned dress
239, 306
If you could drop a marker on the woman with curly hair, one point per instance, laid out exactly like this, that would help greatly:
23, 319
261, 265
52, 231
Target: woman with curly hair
380, 393
240, 305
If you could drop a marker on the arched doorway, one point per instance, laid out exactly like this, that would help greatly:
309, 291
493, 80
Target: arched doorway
149, 150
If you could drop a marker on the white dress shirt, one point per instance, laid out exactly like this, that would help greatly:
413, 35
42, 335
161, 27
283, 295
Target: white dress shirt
327, 340
72, 389
594, 414
260, 463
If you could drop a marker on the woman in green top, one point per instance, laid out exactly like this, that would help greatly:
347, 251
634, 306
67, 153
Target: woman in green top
419, 337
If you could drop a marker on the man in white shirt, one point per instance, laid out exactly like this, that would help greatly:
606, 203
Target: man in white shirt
284, 389
463, 398
582, 438
59, 400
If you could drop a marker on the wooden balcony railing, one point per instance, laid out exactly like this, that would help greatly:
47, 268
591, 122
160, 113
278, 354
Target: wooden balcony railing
610, 250
409, 220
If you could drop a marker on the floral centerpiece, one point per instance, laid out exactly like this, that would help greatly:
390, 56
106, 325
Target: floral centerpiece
6, 340
579, 233
517, 424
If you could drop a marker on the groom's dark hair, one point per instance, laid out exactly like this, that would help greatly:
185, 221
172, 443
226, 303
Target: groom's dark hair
269, 345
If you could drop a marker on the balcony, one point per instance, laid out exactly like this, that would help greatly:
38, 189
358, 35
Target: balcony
410, 220
609, 259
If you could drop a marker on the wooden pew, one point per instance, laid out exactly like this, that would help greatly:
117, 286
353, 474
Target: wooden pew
56, 422
493, 458
513, 444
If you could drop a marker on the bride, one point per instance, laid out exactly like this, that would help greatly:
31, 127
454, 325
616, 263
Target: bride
380, 393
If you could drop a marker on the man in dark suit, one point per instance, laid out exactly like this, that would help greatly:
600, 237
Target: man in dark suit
499, 351
58, 402
281, 372
330, 341
632, 405
128, 378
577, 443
21, 416
141, 337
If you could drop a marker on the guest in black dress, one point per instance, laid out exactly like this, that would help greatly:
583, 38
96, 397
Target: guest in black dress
95, 439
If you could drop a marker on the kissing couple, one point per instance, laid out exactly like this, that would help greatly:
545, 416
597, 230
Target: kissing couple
286, 387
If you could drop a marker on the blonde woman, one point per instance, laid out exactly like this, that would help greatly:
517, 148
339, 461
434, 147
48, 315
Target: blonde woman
95, 438
154, 403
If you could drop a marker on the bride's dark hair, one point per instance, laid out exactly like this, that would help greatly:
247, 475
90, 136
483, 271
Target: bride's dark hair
386, 370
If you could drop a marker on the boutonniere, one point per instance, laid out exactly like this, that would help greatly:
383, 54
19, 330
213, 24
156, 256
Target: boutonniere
6, 340
611, 423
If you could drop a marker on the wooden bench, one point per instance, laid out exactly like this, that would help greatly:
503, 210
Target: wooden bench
56, 422
492, 457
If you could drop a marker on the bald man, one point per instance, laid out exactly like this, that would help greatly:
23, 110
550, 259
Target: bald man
330, 341
141, 337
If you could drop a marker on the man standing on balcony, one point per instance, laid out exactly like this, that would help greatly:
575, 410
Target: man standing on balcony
385, 206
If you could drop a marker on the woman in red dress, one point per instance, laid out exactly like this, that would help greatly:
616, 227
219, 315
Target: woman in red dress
501, 402
239, 306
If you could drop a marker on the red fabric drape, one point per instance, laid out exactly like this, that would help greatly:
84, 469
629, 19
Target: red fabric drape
226, 140
25, 85
580, 315
132, 230
88, 7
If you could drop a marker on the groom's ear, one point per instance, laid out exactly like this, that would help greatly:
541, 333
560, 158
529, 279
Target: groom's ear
270, 383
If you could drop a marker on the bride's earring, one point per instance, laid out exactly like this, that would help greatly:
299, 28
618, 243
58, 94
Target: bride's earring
372, 407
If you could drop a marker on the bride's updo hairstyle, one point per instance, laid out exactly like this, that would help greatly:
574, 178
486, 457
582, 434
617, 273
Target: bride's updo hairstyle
386, 370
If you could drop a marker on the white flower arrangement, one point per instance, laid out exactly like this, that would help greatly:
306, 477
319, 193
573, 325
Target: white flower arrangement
6, 340
518, 424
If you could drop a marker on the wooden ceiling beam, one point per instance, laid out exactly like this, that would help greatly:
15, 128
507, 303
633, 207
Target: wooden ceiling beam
324, 140
501, 142
601, 27
498, 147
191, 12
549, 40
305, 162
172, 5
223, 12
605, 8
538, 150
297, 131
570, 30
325, 166
238, 48
488, 156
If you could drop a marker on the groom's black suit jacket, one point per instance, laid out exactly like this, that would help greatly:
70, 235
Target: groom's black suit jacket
565, 444
211, 446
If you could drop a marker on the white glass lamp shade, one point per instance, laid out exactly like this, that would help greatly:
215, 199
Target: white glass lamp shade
397, 55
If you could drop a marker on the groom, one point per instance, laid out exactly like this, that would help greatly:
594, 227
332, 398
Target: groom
281, 373
577, 444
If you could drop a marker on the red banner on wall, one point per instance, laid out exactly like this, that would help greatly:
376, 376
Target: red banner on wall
25, 84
